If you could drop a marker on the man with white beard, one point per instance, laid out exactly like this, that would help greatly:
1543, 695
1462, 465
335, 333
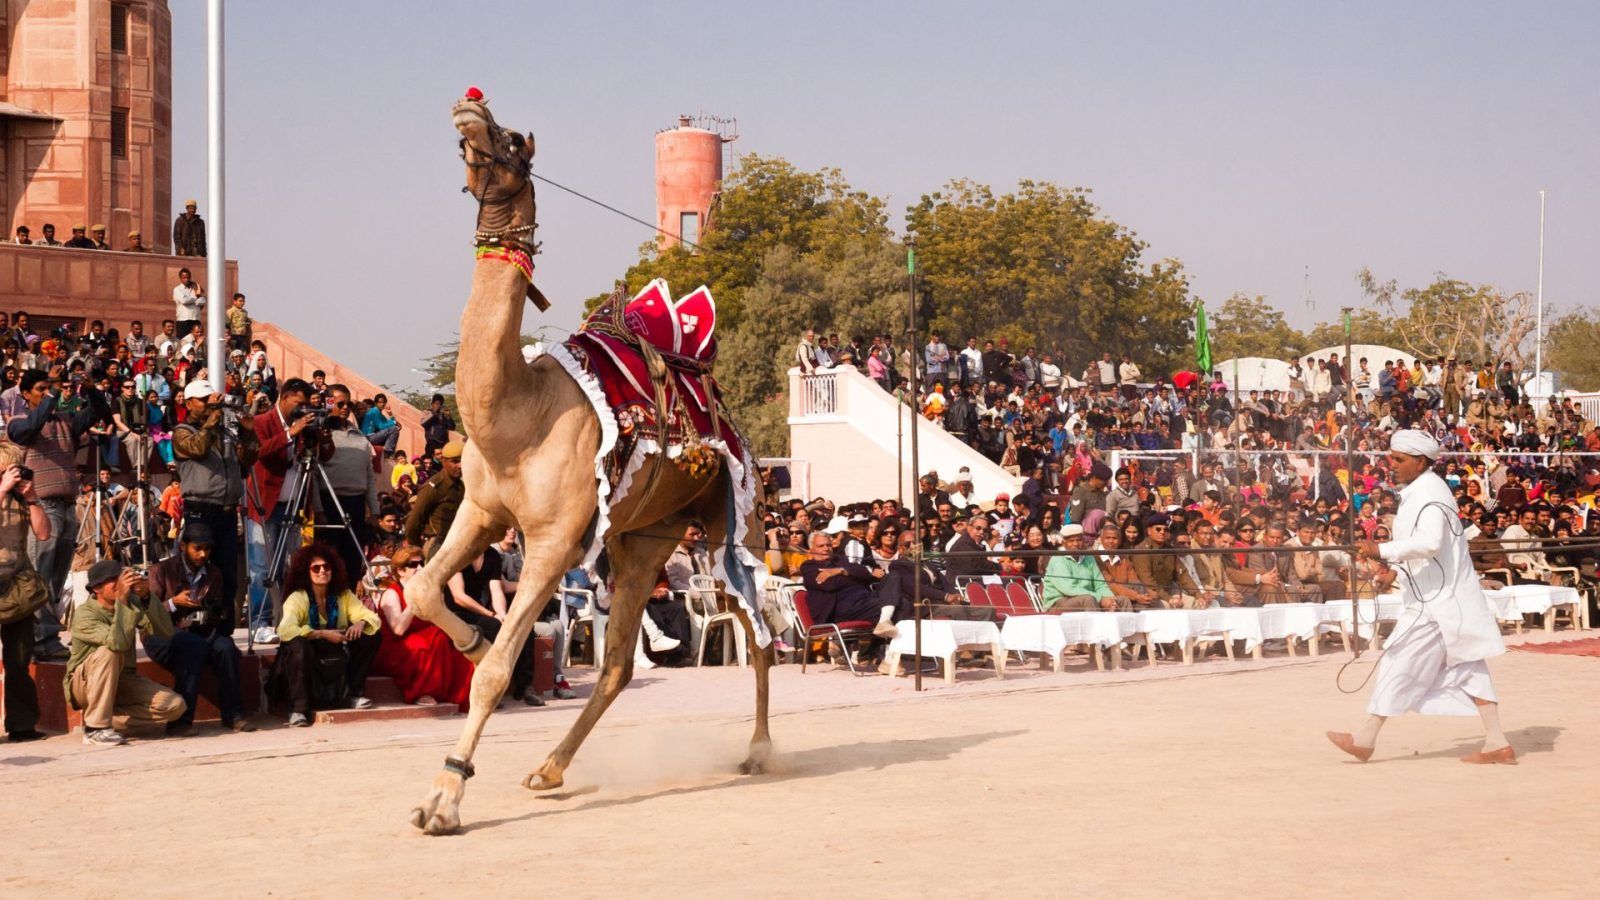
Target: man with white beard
1434, 661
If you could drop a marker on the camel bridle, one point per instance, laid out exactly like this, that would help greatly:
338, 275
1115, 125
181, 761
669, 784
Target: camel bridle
514, 236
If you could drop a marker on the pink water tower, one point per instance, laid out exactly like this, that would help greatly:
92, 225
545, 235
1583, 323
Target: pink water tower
689, 175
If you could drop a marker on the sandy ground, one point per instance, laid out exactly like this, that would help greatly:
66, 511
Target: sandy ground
1211, 780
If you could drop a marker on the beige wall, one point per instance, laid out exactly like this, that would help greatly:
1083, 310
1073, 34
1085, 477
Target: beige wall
117, 288
292, 357
96, 284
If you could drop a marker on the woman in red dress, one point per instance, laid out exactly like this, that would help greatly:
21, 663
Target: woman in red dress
416, 654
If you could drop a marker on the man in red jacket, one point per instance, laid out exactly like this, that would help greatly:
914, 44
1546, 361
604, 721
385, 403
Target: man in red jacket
279, 436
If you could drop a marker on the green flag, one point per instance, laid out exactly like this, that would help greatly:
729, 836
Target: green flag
1202, 339
911, 260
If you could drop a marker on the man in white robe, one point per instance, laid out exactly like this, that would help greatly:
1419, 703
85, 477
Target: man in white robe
1434, 660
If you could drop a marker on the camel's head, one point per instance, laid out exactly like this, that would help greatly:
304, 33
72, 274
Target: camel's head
499, 172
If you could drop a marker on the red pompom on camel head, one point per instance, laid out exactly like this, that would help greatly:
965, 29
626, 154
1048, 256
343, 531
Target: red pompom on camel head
474, 93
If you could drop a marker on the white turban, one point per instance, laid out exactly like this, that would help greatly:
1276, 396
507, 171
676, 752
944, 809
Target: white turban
1416, 443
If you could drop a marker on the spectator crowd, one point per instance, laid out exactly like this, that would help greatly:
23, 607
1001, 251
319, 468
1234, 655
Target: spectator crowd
1102, 459
153, 499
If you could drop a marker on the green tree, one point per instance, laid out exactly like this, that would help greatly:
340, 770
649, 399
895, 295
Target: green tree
1042, 266
1251, 326
1570, 350
1453, 318
1367, 326
765, 204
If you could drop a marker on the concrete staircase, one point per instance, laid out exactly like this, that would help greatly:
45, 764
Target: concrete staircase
855, 441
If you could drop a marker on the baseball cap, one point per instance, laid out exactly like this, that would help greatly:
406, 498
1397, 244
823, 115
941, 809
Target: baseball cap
198, 388
837, 525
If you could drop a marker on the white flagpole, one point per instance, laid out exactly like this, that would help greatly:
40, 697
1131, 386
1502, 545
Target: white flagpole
216, 255
1538, 343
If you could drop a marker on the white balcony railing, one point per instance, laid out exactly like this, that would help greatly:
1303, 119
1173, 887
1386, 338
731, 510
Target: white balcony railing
818, 395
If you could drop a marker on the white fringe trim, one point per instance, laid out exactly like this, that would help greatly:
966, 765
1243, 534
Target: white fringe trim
608, 440
739, 472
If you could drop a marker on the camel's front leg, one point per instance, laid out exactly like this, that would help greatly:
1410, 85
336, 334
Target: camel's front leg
472, 531
761, 741
637, 560
440, 813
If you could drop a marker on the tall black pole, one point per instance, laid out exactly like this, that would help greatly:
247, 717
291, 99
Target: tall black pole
916, 459
1350, 485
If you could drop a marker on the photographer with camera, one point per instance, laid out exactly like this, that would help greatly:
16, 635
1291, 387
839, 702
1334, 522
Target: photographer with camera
50, 441
101, 679
211, 450
21, 591
197, 634
353, 474
282, 433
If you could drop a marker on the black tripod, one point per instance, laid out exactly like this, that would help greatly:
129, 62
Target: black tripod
304, 480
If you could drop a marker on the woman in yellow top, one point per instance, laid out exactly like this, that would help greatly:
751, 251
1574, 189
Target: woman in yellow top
326, 640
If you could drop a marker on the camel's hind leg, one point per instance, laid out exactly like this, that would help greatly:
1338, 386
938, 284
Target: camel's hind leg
440, 811
761, 742
638, 560
716, 512
472, 531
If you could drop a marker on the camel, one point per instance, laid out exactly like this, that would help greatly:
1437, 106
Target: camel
530, 462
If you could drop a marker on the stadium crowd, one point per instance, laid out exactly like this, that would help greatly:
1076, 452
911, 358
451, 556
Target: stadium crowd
1084, 447
149, 497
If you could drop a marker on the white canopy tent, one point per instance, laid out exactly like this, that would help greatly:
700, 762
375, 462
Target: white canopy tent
1254, 373
1375, 354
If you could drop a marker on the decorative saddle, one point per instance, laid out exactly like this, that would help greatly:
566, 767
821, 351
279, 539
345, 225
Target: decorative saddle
652, 357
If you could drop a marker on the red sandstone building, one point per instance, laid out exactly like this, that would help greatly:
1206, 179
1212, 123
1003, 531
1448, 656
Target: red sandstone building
86, 104
86, 109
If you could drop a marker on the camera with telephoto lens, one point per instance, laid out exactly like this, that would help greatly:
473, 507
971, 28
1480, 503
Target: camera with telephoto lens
23, 474
318, 421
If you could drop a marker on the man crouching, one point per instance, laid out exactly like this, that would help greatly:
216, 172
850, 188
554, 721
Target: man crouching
101, 679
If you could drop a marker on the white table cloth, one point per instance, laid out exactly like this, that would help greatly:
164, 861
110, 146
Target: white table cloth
1386, 608
943, 639
1102, 629
1167, 626
1515, 601
1287, 622
1034, 634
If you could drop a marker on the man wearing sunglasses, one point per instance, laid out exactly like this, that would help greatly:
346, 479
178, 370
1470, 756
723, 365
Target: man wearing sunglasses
353, 472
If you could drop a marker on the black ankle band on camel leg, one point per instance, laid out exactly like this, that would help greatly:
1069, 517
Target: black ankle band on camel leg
459, 766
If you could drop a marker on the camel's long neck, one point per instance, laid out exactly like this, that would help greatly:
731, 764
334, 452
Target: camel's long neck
489, 368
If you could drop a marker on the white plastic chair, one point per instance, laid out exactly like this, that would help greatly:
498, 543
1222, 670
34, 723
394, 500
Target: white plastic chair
705, 615
590, 613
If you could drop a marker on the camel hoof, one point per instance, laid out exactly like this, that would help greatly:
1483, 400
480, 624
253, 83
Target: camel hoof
538, 781
753, 767
442, 824
440, 811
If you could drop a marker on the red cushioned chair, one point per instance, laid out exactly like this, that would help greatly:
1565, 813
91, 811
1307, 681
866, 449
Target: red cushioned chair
844, 632
976, 595
1018, 601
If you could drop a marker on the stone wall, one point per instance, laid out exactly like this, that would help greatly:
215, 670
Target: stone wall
58, 283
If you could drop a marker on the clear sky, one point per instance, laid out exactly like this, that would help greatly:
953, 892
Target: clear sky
1249, 140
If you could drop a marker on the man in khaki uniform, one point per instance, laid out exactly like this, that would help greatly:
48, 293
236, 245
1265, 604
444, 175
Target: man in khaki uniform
1161, 573
101, 679
437, 502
